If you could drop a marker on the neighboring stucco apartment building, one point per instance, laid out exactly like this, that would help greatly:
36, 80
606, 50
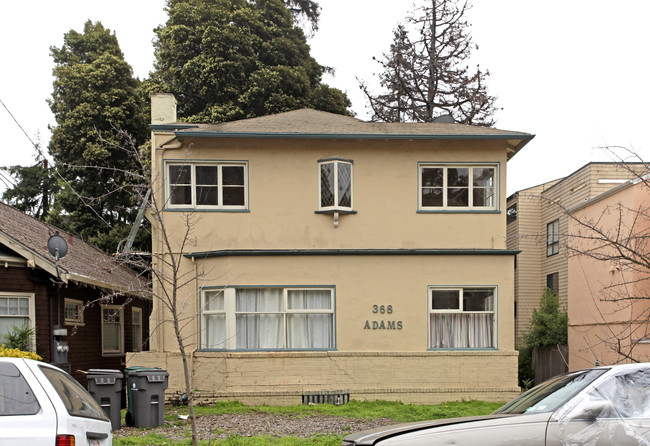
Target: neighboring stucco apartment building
609, 296
538, 226
330, 254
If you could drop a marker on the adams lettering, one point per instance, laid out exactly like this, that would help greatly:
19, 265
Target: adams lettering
383, 325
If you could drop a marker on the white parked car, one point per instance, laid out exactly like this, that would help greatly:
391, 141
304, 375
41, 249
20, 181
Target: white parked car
601, 406
42, 405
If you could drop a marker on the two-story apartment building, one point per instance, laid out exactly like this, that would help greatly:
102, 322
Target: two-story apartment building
538, 226
328, 254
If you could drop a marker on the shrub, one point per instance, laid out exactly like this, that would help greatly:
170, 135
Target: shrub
16, 353
20, 338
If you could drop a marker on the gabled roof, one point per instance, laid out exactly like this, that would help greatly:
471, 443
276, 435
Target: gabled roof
314, 124
83, 263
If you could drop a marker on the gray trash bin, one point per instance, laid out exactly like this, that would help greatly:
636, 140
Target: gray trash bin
105, 385
147, 397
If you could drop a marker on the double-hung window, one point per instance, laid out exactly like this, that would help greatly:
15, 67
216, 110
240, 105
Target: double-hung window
73, 311
206, 185
461, 318
335, 185
112, 330
553, 238
136, 329
272, 318
458, 187
16, 310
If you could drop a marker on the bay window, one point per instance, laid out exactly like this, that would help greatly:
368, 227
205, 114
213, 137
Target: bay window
270, 318
457, 187
335, 185
461, 318
206, 185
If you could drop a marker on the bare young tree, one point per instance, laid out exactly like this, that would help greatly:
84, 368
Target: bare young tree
170, 285
425, 74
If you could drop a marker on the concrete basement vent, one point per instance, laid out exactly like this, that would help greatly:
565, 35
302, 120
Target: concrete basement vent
336, 397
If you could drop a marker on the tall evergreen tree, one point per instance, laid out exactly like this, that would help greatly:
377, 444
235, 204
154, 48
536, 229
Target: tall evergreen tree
425, 74
95, 94
33, 189
235, 59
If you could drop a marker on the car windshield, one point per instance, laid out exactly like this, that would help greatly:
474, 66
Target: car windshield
551, 394
77, 401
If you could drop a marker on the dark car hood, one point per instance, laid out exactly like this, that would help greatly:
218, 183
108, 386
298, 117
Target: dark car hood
370, 437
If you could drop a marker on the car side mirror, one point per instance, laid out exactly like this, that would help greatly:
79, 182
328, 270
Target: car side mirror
594, 409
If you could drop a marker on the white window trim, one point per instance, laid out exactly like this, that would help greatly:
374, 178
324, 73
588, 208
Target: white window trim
80, 305
119, 352
135, 310
230, 312
31, 310
336, 206
494, 311
470, 187
193, 164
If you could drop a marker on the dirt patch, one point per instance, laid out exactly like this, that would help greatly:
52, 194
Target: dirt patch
211, 427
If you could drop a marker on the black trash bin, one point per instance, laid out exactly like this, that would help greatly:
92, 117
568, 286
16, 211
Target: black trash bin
105, 385
146, 397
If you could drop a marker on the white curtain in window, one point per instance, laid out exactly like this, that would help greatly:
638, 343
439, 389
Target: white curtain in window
215, 330
309, 331
259, 319
461, 330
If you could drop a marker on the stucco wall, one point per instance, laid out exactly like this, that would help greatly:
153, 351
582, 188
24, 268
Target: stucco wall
602, 318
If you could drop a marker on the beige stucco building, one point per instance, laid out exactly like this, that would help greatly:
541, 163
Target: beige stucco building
327, 254
609, 296
538, 226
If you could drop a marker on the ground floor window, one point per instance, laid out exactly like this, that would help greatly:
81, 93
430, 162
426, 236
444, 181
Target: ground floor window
112, 330
16, 310
461, 317
269, 318
136, 329
73, 312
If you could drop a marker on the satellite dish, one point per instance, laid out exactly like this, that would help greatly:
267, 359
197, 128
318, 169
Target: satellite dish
57, 246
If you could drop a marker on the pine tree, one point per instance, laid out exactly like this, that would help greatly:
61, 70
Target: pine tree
425, 73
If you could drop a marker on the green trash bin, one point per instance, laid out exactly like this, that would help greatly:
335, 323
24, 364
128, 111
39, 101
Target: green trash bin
105, 386
145, 396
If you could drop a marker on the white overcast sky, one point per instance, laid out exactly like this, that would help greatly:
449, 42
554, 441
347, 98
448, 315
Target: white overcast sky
574, 73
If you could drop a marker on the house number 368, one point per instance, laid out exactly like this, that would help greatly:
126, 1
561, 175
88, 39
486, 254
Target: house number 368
383, 309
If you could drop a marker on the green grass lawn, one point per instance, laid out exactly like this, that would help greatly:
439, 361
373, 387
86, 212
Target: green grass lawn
398, 412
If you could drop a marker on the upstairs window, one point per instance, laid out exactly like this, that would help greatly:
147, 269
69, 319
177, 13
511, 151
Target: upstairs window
511, 213
207, 185
553, 238
335, 185
461, 187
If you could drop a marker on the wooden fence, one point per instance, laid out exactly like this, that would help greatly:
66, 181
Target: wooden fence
550, 361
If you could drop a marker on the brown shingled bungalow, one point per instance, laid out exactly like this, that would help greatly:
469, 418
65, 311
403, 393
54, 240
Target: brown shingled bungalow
86, 301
